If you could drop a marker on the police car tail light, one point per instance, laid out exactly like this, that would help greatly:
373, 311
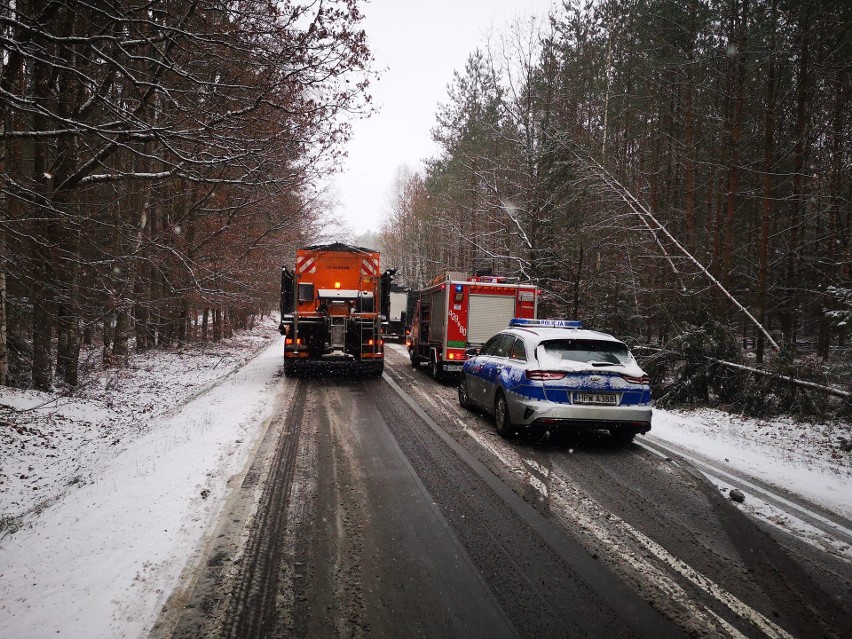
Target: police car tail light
635, 380
545, 375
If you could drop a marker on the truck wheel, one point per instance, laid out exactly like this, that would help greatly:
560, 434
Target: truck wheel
415, 361
437, 371
501, 416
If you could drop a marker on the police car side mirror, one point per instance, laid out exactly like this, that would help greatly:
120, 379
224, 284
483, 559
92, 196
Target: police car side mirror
472, 352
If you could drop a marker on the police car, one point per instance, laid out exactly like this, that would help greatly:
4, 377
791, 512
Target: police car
556, 374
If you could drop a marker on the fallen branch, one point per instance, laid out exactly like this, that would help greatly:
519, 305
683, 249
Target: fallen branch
829, 390
645, 215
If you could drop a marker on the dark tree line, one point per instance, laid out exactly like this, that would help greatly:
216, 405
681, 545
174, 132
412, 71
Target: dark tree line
728, 122
158, 159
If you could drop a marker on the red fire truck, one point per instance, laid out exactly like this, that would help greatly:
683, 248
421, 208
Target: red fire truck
457, 312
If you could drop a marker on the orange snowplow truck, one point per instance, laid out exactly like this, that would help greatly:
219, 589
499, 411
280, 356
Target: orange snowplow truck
331, 310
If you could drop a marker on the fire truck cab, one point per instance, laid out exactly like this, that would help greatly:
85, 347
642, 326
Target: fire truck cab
457, 312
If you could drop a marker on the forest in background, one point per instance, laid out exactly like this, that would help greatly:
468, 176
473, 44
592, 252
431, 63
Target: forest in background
158, 159
676, 172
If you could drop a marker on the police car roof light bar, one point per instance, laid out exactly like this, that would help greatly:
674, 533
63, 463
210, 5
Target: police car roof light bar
545, 323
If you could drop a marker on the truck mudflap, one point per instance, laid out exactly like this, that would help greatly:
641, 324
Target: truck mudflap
333, 368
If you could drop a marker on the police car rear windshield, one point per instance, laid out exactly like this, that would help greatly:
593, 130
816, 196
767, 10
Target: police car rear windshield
586, 351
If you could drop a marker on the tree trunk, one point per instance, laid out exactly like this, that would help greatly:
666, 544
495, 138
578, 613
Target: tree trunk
4, 353
40, 245
768, 168
108, 332
183, 317
804, 91
120, 343
205, 320
689, 209
217, 324
577, 285
736, 125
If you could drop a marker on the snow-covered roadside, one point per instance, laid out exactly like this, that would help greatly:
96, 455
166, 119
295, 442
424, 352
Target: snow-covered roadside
802, 458
100, 560
50, 443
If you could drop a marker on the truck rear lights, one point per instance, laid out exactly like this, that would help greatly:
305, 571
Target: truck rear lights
545, 375
289, 341
635, 380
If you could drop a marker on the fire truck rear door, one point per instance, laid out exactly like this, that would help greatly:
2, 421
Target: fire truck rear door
488, 315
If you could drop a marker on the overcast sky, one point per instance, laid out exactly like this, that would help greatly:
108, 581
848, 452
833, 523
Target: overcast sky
418, 43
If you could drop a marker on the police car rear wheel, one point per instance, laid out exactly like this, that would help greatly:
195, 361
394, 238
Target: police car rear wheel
501, 416
464, 397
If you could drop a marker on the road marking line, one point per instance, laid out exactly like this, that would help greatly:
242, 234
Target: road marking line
741, 609
757, 489
536, 483
537, 467
806, 531
560, 505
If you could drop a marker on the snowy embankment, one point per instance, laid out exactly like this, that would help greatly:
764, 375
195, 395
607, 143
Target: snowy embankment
105, 496
810, 460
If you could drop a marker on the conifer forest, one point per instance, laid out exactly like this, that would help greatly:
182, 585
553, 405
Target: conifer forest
675, 172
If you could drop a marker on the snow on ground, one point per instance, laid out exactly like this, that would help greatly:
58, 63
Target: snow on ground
802, 458
105, 496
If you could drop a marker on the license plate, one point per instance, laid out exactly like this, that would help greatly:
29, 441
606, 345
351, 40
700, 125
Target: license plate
453, 368
595, 398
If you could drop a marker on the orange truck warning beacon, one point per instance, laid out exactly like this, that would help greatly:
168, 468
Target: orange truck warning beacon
331, 310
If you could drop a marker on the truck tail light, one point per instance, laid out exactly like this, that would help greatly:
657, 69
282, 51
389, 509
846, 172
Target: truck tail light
635, 380
545, 375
